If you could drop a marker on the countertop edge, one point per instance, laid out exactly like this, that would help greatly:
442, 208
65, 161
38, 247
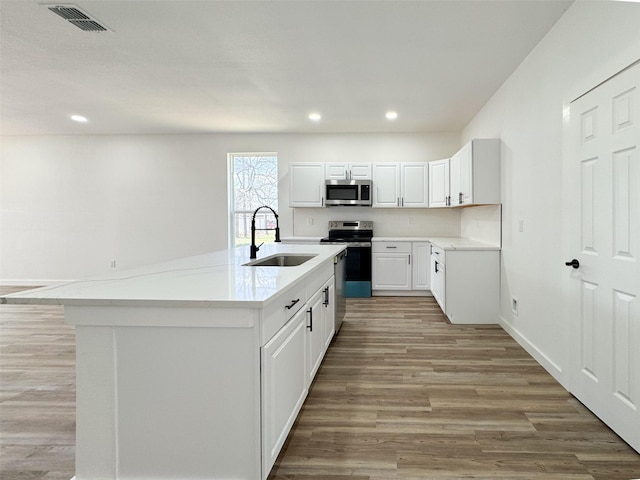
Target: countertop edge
446, 243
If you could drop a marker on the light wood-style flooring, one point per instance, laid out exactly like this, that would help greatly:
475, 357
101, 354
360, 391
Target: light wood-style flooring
401, 394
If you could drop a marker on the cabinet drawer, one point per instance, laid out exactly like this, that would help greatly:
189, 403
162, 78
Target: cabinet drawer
278, 313
439, 254
319, 278
391, 247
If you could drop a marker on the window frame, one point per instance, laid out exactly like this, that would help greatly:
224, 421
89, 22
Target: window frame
231, 230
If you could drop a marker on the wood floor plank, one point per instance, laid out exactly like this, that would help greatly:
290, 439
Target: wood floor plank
451, 402
401, 394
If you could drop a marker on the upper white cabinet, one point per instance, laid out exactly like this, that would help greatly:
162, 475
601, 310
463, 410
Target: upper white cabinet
306, 184
475, 173
386, 185
347, 171
400, 185
439, 183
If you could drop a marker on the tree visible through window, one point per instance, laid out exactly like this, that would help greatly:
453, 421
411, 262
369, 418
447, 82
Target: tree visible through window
254, 183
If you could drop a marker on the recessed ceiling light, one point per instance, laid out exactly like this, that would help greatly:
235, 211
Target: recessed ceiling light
79, 118
315, 117
391, 115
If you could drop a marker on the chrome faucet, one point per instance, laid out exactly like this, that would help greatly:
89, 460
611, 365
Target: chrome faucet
254, 249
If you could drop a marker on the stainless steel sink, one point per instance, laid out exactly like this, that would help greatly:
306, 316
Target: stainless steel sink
280, 260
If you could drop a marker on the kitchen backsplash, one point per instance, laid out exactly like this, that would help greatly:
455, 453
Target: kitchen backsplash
313, 222
482, 223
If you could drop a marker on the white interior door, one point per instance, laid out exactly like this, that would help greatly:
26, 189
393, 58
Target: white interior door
604, 181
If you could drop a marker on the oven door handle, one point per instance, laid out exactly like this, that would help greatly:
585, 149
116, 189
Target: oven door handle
358, 244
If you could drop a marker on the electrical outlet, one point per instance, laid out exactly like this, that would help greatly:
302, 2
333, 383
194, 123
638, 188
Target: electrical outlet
521, 226
113, 264
310, 221
514, 305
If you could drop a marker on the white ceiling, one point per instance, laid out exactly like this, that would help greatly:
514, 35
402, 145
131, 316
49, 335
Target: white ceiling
261, 66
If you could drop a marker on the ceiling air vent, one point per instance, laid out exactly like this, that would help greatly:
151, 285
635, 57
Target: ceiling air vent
78, 18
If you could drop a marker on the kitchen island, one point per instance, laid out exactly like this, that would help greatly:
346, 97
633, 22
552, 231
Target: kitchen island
194, 368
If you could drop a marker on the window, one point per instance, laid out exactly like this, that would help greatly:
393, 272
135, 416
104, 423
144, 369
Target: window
253, 183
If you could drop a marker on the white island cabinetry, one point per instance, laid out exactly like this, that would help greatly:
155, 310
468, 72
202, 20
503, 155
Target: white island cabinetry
195, 368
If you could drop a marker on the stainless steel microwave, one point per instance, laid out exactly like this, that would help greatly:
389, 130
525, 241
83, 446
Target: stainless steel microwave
348, 193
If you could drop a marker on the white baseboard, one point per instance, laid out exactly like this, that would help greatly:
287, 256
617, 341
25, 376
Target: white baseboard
31, 283
549, 365
401, 293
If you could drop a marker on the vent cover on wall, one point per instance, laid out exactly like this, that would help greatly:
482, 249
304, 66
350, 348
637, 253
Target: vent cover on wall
77, 17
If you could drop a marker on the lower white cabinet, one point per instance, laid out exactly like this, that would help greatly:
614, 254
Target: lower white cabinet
420, 252
438, 284
329, 313
284, 384
391, 266
399, 267
290, 361
315, 340
466, 284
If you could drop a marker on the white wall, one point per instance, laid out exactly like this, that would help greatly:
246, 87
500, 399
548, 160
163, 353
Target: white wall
589, 43
69, 205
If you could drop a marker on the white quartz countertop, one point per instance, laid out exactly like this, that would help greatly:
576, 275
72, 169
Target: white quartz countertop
217, 279
446, 243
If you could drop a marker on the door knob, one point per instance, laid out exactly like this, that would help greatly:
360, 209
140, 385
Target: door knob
573, 263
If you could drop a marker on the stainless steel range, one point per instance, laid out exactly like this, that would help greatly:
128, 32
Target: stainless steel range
357, 235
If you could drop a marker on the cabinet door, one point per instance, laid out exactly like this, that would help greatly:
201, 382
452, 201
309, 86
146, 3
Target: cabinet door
475, 173
391, 271
306, 185
464, 195
284, 385
386, 185
314, 342
329, 313
414, 185
455, 178
439, 183
347, 171
360, 171
420, 251
336, 171
438, 282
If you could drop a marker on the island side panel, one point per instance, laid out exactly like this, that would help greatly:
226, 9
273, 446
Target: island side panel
163, 401
95, 402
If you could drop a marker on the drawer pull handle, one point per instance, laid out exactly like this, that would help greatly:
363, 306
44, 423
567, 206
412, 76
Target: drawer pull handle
392, 247
293, 302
